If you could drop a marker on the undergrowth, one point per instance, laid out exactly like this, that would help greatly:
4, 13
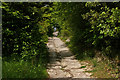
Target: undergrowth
23, 69
102, 66
102, 69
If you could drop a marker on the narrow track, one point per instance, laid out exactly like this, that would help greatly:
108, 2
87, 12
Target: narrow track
62, 62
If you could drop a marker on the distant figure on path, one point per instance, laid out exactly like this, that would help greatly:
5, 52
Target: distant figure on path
55, 29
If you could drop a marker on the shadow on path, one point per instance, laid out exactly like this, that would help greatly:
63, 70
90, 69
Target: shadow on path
62, 62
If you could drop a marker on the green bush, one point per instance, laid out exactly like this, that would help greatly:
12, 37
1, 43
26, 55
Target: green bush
22, 69
24, 30
90, 26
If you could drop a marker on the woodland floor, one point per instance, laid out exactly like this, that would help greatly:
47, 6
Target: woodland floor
63, 63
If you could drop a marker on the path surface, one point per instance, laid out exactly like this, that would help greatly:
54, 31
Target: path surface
62, 62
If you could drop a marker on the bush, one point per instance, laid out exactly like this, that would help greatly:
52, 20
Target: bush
22, 69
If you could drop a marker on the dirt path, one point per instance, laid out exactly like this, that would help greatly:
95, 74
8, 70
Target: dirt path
62, 62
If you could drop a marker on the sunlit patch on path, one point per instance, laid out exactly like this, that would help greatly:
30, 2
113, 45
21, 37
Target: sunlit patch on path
62, 62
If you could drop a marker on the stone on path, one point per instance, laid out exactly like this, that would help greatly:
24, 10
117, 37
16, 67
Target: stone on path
62, 62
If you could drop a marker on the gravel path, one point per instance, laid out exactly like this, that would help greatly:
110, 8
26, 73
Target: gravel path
62, 62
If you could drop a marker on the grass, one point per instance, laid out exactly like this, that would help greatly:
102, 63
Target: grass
22, 69
101, 69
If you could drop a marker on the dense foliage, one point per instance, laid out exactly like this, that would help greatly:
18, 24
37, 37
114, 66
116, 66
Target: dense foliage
105, 21
25, 29
90, 26
94, 32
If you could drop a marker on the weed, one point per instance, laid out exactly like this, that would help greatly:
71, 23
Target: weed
83, 67
22, 69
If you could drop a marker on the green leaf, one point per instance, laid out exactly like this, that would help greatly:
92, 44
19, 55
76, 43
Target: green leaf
100, 37
83, 67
